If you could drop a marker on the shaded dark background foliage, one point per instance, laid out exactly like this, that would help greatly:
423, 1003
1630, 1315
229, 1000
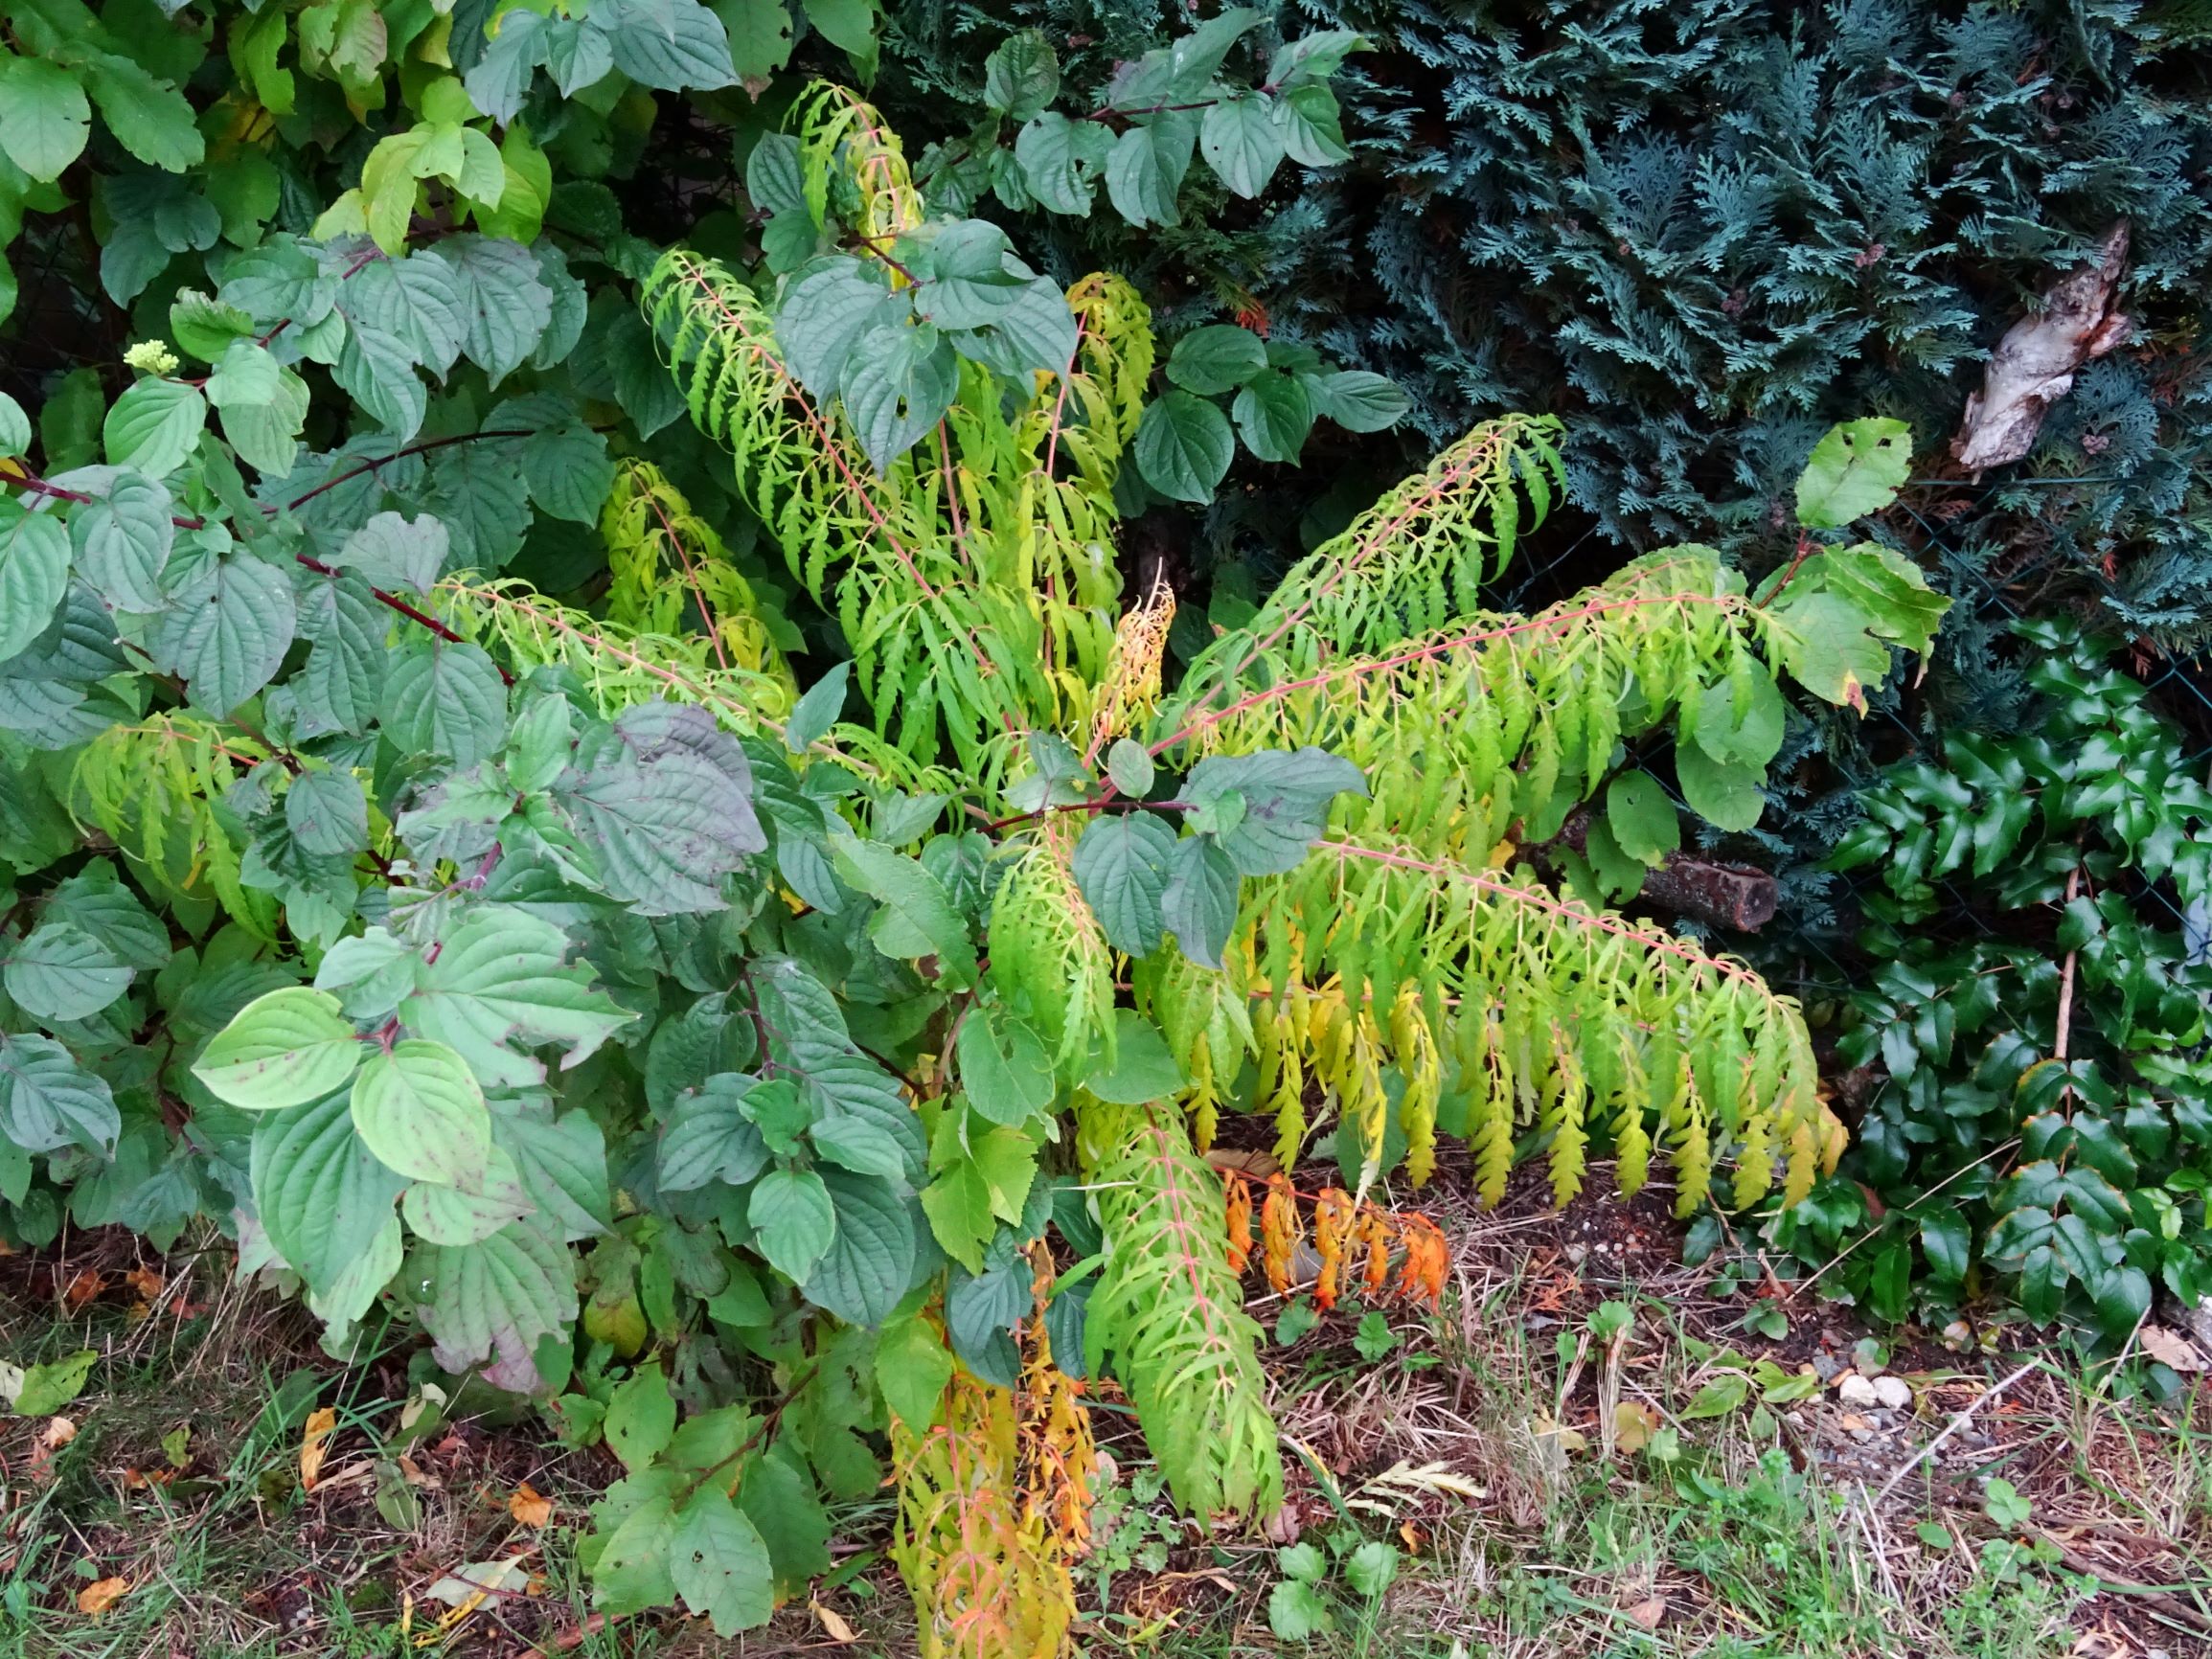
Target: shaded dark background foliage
1703, 233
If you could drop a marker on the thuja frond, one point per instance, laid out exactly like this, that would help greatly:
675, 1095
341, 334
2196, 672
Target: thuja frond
1498, 719
155, 789
672, 573
1376, 955
1172, 1314
1409, 563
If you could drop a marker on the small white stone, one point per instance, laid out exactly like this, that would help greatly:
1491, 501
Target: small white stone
1856, 1390
1894, 1392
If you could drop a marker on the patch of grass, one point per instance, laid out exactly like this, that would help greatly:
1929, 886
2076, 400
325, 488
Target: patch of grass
1594, 1469
1557, 1467
178, 1471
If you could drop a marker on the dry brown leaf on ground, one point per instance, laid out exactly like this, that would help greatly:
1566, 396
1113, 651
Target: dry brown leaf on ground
527, 1506
1646, 1613
57, 1433
2169, 1348
97, 1597
468, 1587
1570, 1440
835, 1623
1633, 1425
322, 1424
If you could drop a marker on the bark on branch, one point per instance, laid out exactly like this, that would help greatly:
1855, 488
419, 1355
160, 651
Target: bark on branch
2032, 366
1736, 896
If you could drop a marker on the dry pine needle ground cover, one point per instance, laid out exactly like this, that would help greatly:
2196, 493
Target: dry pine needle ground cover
1587, 1451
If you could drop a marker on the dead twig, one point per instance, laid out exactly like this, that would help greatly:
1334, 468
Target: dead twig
1958, 1422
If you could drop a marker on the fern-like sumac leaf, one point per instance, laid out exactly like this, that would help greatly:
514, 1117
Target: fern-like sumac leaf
672, 575
934, 651
1172, 1314
1050, 962
153, 789
1561, 1016
986, 1580
1409, 563
619, 666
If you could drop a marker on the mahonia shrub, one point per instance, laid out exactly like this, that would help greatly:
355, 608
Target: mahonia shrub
2039, 1118
740, 1066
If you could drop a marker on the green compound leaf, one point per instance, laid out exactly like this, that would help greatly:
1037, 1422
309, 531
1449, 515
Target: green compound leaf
641, 1417
1242, 142
1005, 1070
44, 118
153, 427
720, 1565
1641, 817
490, 1305
912, 1367
34, 575
1274, 413
447, 699
916, 917
327, 813
123, 538
864, 1274
441, 1215
48, 1101
710, 1137
793, 1220
664, 799
1184, 445
225, 634
1219, 358
321, 1194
